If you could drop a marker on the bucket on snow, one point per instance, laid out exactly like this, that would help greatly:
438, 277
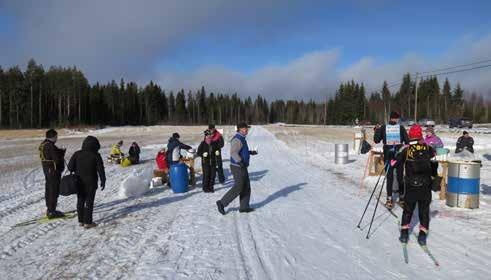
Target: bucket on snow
341, 153
179, 178
463, 184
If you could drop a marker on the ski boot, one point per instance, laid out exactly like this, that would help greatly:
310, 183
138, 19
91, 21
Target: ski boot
422, 238
389, 203
404, 235
92, 225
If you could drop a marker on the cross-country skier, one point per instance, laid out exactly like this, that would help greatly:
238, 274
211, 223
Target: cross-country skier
53, 162
419, 173
393, 135
239, 161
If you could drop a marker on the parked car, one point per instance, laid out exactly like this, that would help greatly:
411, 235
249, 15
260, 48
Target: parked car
460, 123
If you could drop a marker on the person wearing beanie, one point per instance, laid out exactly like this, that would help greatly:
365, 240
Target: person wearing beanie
174, 147
116, 155
465, 142
420, 172
53, 163
431, 139
239, 162
216, 137
393, 135
208, 150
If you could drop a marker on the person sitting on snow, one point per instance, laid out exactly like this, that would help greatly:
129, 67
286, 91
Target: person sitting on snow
431, 139
134, 153
174, 147
465, 142
419, 172
116, 154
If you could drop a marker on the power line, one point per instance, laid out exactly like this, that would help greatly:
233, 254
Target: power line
458, 66
444, 73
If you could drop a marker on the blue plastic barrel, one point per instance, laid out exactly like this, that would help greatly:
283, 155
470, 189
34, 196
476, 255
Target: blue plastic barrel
463, 184
179, 177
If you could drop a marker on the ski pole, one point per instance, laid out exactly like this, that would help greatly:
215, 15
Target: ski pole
376, 206
370, 199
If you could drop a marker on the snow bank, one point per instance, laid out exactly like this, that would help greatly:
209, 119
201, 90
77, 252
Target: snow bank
136, 184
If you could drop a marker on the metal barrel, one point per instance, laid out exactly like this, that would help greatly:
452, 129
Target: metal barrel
341, 154
463, 184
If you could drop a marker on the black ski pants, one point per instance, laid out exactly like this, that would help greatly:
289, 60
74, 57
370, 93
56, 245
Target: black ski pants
209, 172
423, 211
52, 189
85, 204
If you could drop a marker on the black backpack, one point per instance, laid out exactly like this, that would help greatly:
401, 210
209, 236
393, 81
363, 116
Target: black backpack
418, 165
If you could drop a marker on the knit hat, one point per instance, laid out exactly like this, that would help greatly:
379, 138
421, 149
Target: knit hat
430, 129
394, 115
176, 135
51, 134
465, 133
415, 132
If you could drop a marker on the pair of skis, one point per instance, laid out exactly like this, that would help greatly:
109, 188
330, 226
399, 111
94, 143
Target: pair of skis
45, 219
425, 249
404, 245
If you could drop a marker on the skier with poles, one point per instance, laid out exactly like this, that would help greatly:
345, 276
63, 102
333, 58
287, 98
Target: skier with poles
393, 135
419, 174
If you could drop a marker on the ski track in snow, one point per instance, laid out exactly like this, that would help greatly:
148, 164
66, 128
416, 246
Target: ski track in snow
304, 227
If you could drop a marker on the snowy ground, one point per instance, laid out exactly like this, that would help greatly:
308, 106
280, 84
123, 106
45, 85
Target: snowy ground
304, 226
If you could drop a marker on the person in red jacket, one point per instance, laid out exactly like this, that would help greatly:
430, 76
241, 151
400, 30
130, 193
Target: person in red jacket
162, 161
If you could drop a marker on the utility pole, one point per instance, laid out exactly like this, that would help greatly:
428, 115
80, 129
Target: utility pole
416, 99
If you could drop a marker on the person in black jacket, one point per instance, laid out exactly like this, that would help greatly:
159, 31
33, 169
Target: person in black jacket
465, 142
134, 153
87, 164
420, 172
53, 162
207, 151
393, 135
217, 139
174, 147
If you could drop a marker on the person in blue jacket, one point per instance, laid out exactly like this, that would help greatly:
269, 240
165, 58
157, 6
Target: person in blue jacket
239, 162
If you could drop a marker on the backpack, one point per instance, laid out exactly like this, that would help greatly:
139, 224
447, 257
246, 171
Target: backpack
418, 165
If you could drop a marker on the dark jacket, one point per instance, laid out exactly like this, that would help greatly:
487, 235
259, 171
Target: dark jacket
87, 163
389, 149
134, 153
175, 146
217, 139
52, 158
419, 170
465, 143
213, 153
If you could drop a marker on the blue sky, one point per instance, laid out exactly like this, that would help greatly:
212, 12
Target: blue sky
185, 43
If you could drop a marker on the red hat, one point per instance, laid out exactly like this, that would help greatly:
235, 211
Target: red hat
415, 132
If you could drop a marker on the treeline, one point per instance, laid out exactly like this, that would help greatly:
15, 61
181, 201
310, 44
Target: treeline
62, 96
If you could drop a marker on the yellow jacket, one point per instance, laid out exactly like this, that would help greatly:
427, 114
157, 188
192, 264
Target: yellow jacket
116, 150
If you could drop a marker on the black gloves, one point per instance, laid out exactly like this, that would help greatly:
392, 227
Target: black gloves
253, 153
103, 186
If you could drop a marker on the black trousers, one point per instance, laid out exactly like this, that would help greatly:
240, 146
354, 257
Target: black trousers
221, 175
209, 172
423, 211
390, 178
52, 190
85, 204
241, 188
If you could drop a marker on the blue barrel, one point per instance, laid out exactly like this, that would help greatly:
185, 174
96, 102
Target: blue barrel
463, 184
179, 177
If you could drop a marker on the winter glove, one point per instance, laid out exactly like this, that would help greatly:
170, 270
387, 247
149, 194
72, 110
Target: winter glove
103, 186
253, 153
205, 154
393, 162
217, 153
